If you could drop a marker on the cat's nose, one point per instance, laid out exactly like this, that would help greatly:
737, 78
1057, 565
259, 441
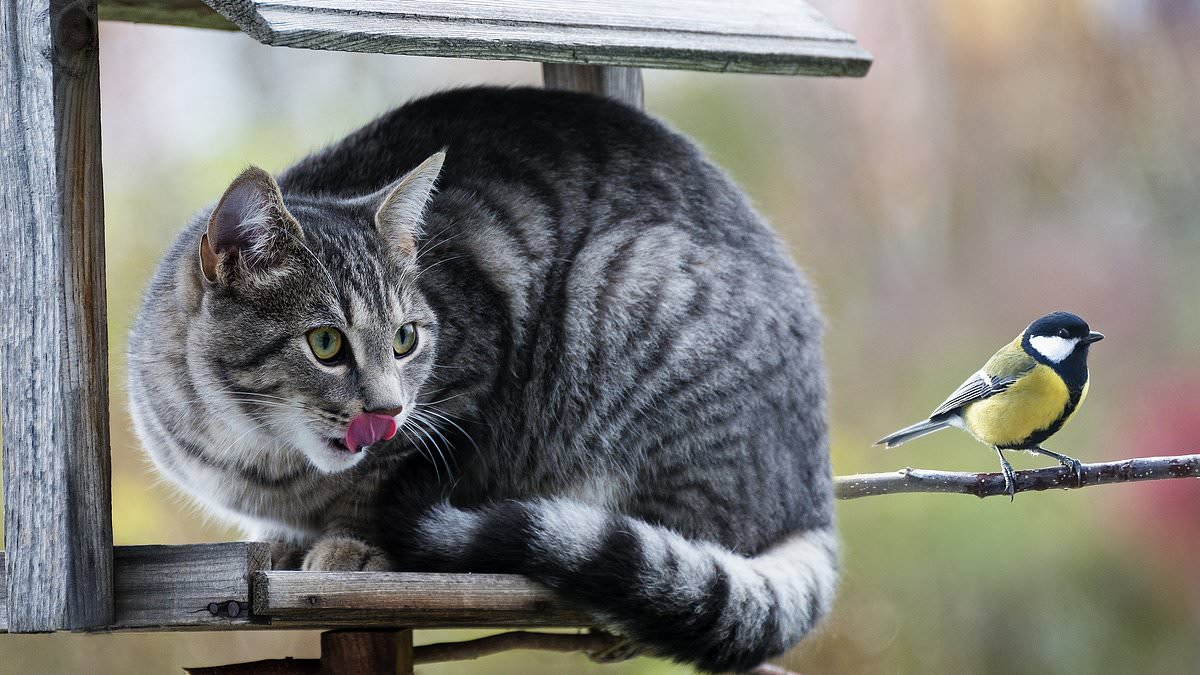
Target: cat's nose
390, 412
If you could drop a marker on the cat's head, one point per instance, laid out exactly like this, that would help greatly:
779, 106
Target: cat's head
312, 329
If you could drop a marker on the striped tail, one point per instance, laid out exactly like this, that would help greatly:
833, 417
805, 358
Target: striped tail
914, 431
693, 602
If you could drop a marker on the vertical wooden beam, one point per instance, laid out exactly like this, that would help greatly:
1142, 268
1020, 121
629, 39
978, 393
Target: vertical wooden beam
378, 652
621, 83
54, 363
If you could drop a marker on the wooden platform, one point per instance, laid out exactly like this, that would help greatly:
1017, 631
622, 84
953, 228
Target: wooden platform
231, 586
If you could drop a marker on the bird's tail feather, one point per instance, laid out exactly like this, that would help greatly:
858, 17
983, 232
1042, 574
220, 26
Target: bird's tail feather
914, 431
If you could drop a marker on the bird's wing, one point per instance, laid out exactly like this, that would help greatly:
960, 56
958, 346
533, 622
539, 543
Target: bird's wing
978, 386
999, 373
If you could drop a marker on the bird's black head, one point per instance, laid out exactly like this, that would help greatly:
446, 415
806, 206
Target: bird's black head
1061, 340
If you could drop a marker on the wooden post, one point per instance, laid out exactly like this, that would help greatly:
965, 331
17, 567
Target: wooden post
623, 84
363, 652
54, 367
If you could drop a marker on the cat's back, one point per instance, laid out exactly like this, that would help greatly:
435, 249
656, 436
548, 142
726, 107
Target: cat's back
491, 132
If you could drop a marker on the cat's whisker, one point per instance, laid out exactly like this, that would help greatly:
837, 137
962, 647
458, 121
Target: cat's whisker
443, 400
237, 441
259, 394
264, 404
452, 423
434, 429
427, 453
429, 407
421, 428
436, 448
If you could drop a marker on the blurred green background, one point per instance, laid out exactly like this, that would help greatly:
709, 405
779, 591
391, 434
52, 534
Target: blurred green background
1003, 158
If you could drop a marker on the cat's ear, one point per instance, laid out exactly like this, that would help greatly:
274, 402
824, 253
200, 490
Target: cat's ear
401, 212
249, 230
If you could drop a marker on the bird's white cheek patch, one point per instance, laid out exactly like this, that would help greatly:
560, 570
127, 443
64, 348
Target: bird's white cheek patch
1053, 347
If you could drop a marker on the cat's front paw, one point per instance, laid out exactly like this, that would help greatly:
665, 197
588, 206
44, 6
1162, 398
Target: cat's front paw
341, 553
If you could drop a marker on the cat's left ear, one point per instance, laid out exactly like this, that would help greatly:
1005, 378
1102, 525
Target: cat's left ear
401, 212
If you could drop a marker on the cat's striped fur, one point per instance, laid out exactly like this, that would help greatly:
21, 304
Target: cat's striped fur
619, 388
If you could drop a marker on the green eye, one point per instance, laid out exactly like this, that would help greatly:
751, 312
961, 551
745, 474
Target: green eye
326, 343
405, 340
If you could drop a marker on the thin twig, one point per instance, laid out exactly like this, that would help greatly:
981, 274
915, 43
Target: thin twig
590, 643
992, 484
265, 667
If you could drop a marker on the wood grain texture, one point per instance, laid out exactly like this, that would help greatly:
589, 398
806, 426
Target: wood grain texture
189, 13
786, 37
54, 368
366, 599
378, 652
195, 586
191, 587
618, 82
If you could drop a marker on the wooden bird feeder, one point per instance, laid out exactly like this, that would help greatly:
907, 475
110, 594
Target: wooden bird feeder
61, 571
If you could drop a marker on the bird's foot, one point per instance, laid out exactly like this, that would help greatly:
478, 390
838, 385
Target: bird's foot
1071, 463
1010, 478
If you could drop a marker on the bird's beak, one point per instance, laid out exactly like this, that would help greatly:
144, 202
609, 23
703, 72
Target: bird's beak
1094, 337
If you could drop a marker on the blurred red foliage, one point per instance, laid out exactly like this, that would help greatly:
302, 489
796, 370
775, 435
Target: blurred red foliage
1164, 420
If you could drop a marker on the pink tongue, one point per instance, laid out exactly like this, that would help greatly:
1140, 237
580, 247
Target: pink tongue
369, 428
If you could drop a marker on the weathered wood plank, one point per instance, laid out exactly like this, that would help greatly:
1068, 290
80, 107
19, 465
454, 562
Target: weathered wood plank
379, 652
785, 37
197, 586
621, 83
189, 13
54, 368
405, 599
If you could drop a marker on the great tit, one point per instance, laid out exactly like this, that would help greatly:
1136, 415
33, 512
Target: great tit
1024, 394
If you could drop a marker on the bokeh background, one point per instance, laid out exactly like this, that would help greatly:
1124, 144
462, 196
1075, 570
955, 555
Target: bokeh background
1002, 159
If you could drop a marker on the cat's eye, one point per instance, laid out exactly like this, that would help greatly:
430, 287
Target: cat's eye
326, 343
405, 340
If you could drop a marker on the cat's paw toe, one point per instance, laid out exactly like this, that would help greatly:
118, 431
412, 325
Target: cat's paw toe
342, 554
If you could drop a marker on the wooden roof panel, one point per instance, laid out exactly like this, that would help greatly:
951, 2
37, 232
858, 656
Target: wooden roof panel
785, 37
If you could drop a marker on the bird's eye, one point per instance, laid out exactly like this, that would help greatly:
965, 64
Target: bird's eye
1064, 333
326, 343
405, 340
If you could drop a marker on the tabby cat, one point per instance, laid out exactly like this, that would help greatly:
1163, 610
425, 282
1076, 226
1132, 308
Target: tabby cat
583, 357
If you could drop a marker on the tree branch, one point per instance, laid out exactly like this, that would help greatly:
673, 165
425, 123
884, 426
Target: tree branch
596, 644
992, 484
604, 647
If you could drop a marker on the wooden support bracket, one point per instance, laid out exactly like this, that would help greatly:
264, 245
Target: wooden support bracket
619, 82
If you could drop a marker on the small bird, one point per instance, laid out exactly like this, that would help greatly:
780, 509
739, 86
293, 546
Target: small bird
1024, 394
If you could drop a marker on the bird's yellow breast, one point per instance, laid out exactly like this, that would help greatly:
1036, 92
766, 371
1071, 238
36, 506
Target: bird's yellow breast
1032, 403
